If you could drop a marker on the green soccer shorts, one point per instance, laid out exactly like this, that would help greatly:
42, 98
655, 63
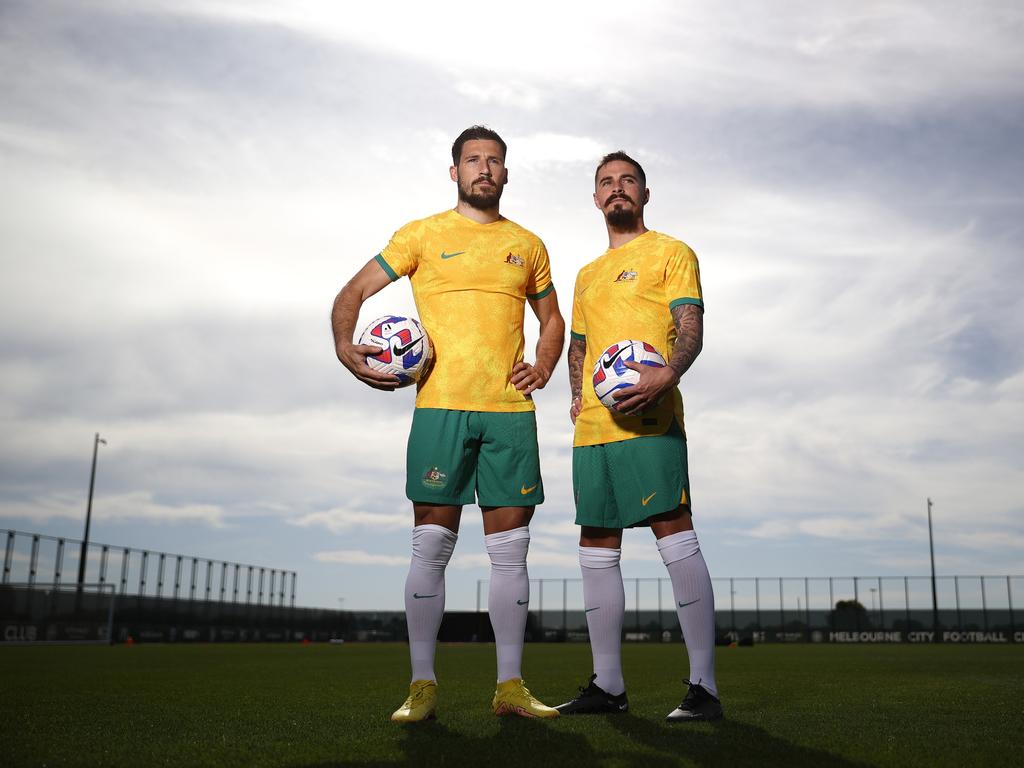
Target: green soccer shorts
622, 484
458, 457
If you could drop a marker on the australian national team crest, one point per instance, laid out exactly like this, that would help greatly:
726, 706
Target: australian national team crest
515, 259
435, 478
626, 276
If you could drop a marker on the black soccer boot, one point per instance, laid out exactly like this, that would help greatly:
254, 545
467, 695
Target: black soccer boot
593, 700
698, 704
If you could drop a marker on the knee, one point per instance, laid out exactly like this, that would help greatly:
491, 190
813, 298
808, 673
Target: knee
507, 549
432, 545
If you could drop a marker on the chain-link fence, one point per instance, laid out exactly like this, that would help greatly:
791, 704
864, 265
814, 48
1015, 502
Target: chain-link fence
780, 609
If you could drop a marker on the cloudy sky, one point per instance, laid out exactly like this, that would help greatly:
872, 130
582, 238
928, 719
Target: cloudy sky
186, 186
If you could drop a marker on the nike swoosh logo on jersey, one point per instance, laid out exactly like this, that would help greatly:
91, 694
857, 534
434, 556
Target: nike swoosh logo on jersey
402, 350
524, 490
420, 597
644, 501
683, 605
451, 255
611, 360
522, 602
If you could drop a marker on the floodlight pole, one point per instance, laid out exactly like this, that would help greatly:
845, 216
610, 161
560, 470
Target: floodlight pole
931, 550
88, 511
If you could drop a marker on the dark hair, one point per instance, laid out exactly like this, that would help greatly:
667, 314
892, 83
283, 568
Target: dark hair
620, 155
475, 132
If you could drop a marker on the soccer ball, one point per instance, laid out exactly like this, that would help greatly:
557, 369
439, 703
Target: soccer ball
406, 350
611, 373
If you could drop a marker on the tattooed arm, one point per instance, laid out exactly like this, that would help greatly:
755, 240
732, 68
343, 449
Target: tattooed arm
577, 352
654, 382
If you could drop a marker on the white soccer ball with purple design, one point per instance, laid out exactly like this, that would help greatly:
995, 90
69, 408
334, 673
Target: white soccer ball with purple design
611, 373
406, 351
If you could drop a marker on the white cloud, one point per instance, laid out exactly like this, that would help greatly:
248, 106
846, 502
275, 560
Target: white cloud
358, 557
135, 506
342, 519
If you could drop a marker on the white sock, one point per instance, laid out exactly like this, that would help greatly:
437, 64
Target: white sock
604, 600
432, 547
508, 598
695, 603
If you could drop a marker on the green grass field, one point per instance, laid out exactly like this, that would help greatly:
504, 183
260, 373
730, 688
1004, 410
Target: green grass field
327, 705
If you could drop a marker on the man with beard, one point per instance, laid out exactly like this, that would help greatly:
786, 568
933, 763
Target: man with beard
629, 465
474, 433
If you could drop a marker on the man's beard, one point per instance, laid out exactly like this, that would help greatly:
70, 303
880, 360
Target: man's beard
622, 218
481, 200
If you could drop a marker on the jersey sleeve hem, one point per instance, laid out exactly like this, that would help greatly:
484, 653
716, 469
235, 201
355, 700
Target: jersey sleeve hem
542, 294
578, 336
386, 267
679, 302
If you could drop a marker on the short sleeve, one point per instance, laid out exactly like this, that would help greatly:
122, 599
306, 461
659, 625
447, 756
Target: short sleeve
539, 284
578, 328
402, 253
682, 278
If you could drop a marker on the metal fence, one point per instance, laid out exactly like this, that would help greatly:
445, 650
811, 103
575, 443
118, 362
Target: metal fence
780, 609
39, 560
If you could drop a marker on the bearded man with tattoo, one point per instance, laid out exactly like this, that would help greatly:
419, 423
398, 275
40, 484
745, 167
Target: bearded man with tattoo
629, 464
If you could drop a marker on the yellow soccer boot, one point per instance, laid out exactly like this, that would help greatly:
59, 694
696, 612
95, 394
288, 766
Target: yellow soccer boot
512, 697
421, 704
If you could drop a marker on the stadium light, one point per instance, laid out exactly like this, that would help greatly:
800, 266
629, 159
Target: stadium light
88, 511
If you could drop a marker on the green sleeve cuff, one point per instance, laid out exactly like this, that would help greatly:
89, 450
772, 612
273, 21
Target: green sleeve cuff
386, 267
542, 294
578, 336
679, 302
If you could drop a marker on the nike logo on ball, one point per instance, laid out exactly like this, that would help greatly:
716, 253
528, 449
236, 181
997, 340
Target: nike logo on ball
451, 255
403, 349
611, 360
420, 597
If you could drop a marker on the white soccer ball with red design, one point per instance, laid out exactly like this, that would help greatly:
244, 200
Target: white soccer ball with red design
406, 350
611, 373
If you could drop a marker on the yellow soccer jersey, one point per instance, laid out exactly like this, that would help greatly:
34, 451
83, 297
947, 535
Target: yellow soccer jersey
470, 282
628, 293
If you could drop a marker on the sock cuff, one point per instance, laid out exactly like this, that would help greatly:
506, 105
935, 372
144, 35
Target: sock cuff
433, 545
678, 546
599, 557
507, 537
430, 528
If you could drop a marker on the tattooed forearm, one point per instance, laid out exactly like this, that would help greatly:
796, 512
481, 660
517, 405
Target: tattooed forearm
577, 351
689, 323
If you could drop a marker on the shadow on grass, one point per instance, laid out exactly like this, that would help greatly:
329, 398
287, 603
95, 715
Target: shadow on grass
724, 743
644, 744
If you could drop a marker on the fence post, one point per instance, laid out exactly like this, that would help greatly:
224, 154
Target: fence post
732, 605
984, 606
33, 562
807, 608
125, 558
856, 600
956, 590
1009, 600
8, 554
881, 610
757, 600
104, 554
58, 562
